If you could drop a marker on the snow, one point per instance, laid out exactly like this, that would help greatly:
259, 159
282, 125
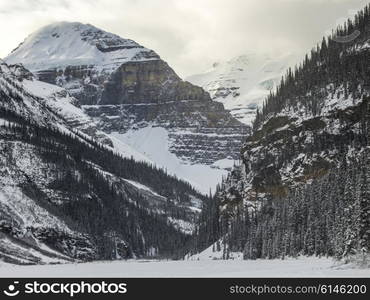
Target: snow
151, 144
337, 101
25, 211
4, 122
142, 187
57, 98
127, 150
334, 102
41, 89
5, 242
15, 202
290, 267
212, 253
22, 211
243, 82
225, 164
73, 44
182, 225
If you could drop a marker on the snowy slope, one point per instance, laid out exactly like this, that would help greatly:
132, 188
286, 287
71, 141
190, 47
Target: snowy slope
75, 44
243, 82
60, 102
26, 216
18, 163
217, 251
152, 144
149, 144
30, 219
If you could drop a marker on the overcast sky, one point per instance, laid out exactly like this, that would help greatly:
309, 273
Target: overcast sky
189, 34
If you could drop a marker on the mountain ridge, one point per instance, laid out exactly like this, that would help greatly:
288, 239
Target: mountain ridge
242, 83
138, 91
303, 185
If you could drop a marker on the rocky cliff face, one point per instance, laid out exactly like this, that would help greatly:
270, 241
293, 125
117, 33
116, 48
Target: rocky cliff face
149, 82
123, 87
198, 133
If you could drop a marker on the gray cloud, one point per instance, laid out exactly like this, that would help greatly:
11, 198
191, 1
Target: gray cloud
189, 34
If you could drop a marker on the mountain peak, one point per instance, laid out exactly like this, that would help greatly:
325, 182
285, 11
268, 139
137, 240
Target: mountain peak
242, 83
74, 43
87, 32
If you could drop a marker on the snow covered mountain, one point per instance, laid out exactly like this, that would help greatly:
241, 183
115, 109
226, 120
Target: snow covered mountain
76, 44
66, 197
303, 187
128, 92
76, 56
242, 83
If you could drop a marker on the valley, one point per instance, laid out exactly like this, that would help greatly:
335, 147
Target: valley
259, 166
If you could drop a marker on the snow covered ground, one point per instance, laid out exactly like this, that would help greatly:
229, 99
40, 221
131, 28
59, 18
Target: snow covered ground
302, 267
151, 144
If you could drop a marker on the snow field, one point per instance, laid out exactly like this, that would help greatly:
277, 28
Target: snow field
301, 267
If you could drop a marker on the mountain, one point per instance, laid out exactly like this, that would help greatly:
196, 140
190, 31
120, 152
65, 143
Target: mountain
242, 83
303, 187
66, 197
144, 109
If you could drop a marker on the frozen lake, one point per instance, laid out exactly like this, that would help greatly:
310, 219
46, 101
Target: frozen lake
302, 267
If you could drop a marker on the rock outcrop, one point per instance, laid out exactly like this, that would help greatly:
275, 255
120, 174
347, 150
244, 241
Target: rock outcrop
149, 82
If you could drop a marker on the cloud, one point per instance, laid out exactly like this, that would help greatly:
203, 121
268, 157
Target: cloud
189, 34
